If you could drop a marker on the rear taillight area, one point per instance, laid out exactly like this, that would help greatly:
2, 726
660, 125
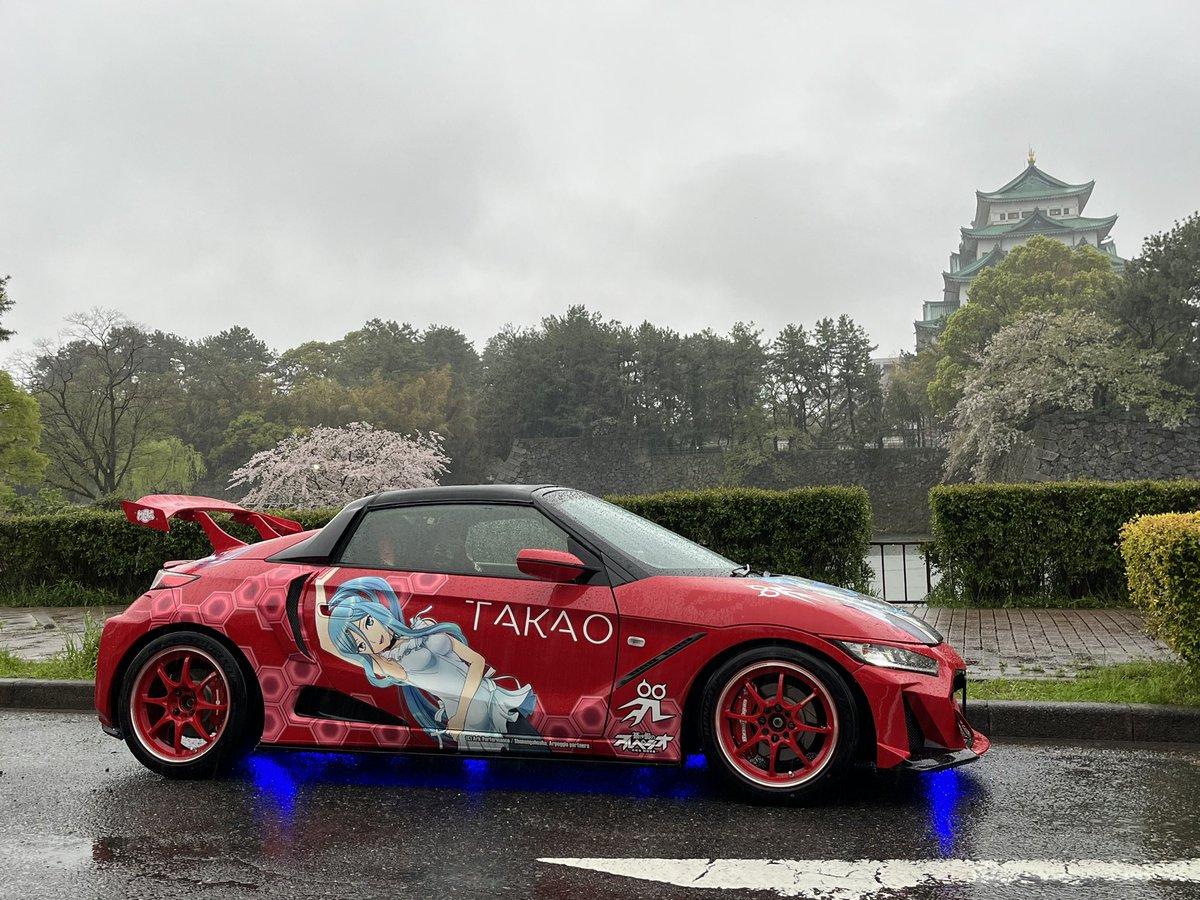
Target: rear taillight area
166, 578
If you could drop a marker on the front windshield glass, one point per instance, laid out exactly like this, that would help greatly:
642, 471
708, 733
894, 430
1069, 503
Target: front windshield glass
638, 538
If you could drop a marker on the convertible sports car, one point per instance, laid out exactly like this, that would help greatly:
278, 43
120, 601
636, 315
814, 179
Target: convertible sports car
517, 620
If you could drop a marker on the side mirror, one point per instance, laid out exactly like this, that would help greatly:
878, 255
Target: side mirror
551, 565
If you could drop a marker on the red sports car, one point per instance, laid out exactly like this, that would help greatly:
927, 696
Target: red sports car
517, 620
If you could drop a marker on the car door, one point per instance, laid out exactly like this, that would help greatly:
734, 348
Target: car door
427, 616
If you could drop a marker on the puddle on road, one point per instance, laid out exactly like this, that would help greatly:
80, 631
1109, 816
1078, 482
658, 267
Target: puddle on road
45, 851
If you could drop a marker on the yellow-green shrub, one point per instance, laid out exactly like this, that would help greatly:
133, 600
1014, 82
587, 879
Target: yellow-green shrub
1162, 565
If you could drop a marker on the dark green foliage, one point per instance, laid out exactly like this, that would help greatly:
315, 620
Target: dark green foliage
102, 552
1162, 556
1058, 540
5, 305
819, 533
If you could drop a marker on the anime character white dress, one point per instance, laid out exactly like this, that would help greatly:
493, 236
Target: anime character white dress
432, 666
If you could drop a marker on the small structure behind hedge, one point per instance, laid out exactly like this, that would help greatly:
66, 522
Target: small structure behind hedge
821, 533
1162, 563
1058, 540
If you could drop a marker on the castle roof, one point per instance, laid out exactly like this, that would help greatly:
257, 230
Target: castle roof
969, 271
1031, 185
1041, 223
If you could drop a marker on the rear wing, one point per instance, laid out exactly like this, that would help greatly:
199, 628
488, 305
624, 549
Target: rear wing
155, 511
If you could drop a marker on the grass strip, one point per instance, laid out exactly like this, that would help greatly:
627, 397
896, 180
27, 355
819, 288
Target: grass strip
1168, 683
78, 660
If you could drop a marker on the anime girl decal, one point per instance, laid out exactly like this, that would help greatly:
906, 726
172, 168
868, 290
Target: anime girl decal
448, 687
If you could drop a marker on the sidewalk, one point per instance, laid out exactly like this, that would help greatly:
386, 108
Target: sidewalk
1044, 643
1013, 643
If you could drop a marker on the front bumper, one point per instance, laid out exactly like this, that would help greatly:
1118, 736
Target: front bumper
946, 760
920, 720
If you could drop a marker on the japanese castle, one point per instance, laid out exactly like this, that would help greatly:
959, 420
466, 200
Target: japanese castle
1032, 203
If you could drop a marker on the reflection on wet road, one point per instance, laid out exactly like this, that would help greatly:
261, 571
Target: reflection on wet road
81, 818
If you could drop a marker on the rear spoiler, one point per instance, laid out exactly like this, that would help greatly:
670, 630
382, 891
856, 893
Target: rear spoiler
155, 510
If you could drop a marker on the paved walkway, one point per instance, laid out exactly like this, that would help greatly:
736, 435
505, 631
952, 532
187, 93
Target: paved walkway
1044, 643
1015, 643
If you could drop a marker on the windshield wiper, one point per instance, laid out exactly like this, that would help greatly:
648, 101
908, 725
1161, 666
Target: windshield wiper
745, 572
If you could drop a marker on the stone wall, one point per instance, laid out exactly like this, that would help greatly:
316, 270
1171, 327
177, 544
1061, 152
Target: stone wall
1107, 447
1062, 447
898, 480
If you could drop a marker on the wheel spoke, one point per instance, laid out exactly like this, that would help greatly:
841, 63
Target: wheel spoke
774, 758
203, 704
210, 679
752, 690
201, 732
178, 742
154, 701
800, 753
816, 729
750, 745
159, 724
185, 673
739, 717
165, 678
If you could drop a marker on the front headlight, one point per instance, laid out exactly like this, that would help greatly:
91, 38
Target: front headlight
890, 657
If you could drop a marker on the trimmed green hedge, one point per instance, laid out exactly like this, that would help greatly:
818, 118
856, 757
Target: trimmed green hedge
71, 557
1054, 540
1162, 562
820, 533
101, 551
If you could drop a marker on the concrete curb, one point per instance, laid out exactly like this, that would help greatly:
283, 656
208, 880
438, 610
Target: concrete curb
1129, 722
1132, 722
44, 693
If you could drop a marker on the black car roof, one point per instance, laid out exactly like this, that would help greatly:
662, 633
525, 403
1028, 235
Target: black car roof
317, 548
518, 493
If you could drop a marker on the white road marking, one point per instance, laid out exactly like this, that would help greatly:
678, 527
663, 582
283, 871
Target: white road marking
841, 879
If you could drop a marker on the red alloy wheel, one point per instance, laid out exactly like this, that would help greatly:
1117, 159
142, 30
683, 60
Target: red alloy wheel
776, 724
180, 704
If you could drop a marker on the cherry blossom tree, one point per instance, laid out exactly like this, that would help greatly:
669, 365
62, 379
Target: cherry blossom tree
1046, 362
332, 466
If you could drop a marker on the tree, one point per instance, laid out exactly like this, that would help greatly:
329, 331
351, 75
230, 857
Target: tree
793, 365
332, 466
1042, 275
163, 466
380, 348
1047, 362
906, 404
5, 305
20, 461
1158, 306
98, 393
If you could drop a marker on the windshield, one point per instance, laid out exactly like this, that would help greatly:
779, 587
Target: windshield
639, 539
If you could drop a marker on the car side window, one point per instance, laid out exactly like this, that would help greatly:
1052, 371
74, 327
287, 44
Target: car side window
451, 539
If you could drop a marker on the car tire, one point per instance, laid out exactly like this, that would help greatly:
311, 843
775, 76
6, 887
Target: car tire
184, 706
778, 723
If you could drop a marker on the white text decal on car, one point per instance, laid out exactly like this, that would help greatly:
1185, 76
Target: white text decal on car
595, 628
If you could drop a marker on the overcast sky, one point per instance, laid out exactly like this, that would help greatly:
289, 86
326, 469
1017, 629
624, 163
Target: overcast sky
299, 168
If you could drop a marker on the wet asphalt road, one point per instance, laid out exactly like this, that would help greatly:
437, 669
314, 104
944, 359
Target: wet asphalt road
80, 818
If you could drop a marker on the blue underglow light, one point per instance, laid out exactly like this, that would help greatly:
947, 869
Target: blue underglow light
273, 782
279, 776
696, 761
943, 790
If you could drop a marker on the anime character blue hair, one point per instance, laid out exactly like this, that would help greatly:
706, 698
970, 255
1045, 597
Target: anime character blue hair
371, 596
